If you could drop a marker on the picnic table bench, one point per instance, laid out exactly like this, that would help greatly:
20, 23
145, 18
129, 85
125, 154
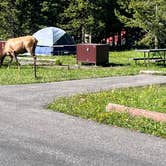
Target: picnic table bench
152, 55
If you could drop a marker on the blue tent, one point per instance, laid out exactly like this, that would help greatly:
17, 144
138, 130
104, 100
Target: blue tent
54, 41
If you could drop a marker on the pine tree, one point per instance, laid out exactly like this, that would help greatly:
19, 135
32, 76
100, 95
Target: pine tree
91, 17
78, 16
9, 14
148, 15
24, 17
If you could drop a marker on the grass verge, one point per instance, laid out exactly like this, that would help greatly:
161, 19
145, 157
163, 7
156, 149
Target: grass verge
119, 65
92, 106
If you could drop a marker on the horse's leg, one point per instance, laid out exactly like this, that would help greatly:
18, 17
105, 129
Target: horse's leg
32, 52
11, 60
1, 60
18, 64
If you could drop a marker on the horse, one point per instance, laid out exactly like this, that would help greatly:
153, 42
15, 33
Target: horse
19, 45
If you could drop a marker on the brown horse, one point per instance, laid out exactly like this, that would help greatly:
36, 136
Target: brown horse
19, 45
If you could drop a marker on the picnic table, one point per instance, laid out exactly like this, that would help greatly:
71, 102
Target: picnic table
154, 55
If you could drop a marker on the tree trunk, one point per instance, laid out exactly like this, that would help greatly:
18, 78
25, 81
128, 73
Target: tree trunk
156, 42
83, 34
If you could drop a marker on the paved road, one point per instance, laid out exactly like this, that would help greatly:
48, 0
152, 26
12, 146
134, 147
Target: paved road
31, 135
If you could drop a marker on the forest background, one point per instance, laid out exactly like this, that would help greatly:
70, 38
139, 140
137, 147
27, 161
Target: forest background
143, 21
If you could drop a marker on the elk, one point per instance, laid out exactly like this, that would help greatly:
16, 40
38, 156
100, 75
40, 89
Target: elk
20, 45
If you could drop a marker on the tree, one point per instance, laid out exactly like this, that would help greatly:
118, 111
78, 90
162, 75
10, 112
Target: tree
9, 18
111, 22
91, 17
22, 17
19, 17
148, 15
50, 10
78, 18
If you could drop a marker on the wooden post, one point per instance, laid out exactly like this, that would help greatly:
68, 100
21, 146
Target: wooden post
35, 73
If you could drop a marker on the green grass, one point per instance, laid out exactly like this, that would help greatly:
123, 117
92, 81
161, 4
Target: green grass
92, 106
83, 105
119, 65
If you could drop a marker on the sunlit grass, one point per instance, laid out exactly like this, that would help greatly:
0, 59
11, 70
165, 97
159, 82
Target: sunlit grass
93, 106
120, 64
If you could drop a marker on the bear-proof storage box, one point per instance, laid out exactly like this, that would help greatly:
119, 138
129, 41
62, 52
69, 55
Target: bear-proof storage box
93, 53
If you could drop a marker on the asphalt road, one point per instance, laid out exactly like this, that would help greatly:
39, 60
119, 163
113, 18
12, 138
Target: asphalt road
31, 135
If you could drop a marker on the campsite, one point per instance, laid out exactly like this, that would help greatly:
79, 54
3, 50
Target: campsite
82, 82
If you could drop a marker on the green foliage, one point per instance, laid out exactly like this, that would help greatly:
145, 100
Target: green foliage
22, 17
148, 15
58, 62
101, 19
9, 18
92, 106
79, 16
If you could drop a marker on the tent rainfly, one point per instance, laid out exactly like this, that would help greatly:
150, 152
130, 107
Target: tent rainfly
54, 41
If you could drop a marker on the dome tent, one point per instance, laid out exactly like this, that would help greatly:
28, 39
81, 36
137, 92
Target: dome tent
52, 40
